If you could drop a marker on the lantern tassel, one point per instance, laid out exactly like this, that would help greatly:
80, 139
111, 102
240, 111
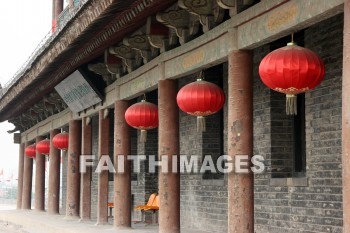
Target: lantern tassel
291, 104
201, 124
143, 136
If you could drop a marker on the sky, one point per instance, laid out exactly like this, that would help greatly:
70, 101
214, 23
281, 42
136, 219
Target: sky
23, 25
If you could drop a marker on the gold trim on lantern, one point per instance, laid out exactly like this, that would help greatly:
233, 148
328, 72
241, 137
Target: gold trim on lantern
199, 113
291, 90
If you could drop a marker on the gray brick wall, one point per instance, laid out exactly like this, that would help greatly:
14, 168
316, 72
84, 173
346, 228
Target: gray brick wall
63, 183
318, 206
63, 190
281, 137
94, 180
144, 183
203, 201
94, 177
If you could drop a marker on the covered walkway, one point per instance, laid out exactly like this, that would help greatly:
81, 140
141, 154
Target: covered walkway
40, 222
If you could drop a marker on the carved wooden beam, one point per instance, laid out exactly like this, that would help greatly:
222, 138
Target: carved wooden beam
230, 5
160, 36
208, 11
101, 69
50, 104
16, 122
185, 24
32, 118
141, 43
54, 99
131, 57
37, 114
114, 65
248, 2
17, 128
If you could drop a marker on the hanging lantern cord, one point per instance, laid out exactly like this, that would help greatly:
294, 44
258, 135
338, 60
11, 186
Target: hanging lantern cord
143, 136
291, 104
201, 124
292, 41
200, 76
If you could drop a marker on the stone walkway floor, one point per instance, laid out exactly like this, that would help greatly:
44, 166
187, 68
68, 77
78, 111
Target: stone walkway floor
6, 227
30, 221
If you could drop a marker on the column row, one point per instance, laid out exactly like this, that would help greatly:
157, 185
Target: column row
78, 203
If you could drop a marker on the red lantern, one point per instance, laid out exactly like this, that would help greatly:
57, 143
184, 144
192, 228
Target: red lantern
30, 151
291, 70
143, 116
60, 141
43, 147
200, 99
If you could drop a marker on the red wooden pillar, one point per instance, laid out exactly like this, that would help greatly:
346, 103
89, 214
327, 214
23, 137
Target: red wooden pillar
122, 180
54, 176
27, 181
85, 211
20, 175
73, 174
57, 8
346, 119
103, 149
240, 113
39, 179
169, 183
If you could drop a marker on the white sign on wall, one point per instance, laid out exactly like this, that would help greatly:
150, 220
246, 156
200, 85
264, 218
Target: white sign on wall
77, 92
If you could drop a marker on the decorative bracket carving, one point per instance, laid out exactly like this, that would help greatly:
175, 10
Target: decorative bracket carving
54, 99
131, 57
208, 11
142, 44
49, 105
227, 4
114, 65
17, 123
185, 24
230, 5
101, 69
17, 128
159, 36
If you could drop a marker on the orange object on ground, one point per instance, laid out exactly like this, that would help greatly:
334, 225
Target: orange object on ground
149, 202
155, 205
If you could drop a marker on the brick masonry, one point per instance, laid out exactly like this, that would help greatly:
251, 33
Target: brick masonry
203, 196
318, 206
144, 183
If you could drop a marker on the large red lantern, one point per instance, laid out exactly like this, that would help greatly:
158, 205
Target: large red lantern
43, 147
30, 151
142, 116
200, 98
291, 70
60, 141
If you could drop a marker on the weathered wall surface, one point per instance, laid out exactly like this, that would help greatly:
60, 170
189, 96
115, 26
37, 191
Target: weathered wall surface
204, 196
318, 206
